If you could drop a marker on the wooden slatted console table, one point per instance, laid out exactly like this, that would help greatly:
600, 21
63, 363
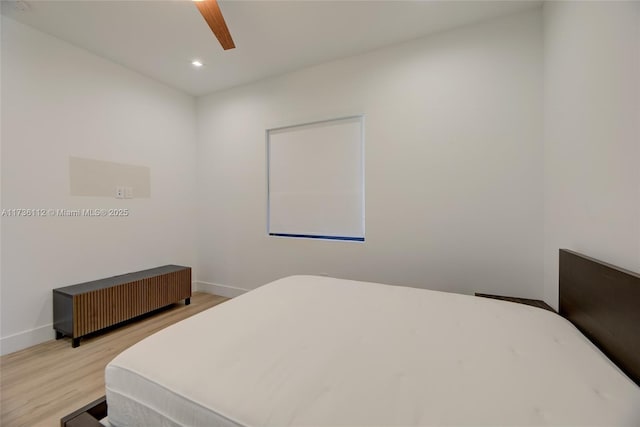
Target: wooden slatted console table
79, 310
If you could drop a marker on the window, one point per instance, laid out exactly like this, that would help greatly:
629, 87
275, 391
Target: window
316, 180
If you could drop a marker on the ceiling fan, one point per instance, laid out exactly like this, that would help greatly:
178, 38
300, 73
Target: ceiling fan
211, 13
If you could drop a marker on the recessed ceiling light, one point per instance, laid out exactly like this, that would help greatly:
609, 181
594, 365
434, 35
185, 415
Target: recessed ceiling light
196, 63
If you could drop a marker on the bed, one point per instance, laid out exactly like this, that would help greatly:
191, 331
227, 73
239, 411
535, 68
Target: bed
317, 351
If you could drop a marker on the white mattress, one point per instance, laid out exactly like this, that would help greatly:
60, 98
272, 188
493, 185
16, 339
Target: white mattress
315, 351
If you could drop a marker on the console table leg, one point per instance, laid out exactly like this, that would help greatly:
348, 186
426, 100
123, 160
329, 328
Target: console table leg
75, 342
59, 335
187, 301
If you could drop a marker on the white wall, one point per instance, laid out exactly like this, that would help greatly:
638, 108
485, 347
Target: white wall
60, 101
592, 134
461, 180
453, 165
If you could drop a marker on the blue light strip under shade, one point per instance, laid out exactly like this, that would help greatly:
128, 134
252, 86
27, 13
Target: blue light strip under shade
309, 236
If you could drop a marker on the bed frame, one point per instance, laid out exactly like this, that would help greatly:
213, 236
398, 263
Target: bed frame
603, 302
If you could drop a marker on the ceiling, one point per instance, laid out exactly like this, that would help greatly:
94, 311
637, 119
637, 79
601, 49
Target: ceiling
161, 38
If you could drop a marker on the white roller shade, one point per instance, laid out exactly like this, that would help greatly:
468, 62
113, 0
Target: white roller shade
316, 180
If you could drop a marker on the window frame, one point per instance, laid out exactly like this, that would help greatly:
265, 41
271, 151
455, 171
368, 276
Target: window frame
361, 143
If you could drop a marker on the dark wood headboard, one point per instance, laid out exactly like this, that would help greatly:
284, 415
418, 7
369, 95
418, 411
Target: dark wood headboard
603, 301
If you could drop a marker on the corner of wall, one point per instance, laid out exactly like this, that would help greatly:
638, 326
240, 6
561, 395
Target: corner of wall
220, 290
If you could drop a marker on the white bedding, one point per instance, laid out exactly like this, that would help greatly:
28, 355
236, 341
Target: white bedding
315, 351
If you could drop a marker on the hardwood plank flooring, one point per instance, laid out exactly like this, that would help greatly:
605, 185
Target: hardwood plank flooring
41, 384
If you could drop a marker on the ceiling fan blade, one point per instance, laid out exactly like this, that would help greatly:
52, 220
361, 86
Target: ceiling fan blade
211, 13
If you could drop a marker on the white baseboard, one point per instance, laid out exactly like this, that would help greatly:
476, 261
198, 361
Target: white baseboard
222, 290
25, 339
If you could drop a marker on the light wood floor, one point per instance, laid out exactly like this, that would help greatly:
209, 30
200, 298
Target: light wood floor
41, 384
